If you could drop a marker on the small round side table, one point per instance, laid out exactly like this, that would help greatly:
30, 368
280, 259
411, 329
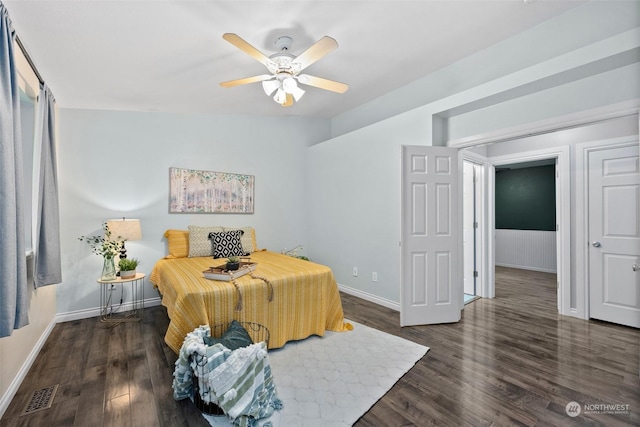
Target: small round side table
116, 312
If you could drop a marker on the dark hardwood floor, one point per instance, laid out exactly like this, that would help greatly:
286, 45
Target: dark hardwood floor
510, 361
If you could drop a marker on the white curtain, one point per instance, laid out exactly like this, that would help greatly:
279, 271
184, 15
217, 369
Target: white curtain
14, 303
48, 263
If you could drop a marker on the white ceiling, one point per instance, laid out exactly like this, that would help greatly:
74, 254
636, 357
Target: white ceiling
151, 55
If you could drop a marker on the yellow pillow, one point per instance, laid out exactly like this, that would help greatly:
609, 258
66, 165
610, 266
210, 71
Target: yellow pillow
178, 243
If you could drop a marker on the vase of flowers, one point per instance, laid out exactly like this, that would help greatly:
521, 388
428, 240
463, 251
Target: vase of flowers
108, 270
107, 247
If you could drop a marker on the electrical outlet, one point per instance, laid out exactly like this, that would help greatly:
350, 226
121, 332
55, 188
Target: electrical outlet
374, 277
355, 271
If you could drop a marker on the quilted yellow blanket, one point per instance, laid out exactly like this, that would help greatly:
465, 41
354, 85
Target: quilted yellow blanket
293, 298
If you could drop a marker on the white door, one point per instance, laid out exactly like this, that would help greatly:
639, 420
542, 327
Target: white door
431, 291
614, 235
469, 227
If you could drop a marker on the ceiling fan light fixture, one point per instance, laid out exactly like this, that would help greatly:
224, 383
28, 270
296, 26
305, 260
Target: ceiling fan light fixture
280, 97
285, 68
297, 93
270, 86
289, 84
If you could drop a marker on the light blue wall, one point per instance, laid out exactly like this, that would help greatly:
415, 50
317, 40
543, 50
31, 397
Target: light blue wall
340, 196
114, 164
584, 59
354, 208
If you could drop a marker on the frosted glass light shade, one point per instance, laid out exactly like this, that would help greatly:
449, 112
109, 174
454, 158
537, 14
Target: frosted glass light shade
297, 93
270, 86
280, 97
289, 84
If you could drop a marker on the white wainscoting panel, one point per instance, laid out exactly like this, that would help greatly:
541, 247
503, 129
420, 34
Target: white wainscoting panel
526, 249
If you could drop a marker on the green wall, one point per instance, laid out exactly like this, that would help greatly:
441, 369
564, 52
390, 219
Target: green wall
526, 198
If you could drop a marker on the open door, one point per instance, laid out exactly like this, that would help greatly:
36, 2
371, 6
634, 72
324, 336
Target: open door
431, 291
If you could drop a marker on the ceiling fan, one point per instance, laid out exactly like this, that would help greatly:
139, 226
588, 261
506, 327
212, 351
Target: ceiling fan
285, 68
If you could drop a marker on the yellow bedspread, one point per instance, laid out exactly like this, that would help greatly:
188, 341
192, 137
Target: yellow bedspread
305, 299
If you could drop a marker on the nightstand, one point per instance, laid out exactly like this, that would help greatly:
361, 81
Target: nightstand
116, 304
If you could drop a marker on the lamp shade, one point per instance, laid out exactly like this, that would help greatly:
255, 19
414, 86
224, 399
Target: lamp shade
125, 229
280, 97
270, 86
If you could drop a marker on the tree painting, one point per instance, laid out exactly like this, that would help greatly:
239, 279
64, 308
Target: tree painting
196, 191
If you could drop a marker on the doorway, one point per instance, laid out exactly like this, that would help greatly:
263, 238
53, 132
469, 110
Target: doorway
562, 233
525, 221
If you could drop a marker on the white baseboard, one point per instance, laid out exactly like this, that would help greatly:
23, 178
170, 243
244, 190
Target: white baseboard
370, 297
95, 312
6, 399
526, 267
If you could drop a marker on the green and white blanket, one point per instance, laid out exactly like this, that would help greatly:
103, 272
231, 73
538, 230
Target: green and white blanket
240, 381
244, 385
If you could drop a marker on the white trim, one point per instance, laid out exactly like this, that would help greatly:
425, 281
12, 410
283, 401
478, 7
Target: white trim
481, 210
563, 212
554, 124
369, 297
11, 391
582, 218
95, 312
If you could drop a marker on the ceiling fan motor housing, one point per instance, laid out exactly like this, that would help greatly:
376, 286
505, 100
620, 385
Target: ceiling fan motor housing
283, 43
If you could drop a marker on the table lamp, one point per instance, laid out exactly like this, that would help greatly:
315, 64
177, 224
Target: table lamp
125, 230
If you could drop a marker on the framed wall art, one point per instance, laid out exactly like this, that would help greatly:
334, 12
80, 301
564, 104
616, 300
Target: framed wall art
197, 191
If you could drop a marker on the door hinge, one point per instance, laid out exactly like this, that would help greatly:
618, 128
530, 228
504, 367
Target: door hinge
475, 274
475, 224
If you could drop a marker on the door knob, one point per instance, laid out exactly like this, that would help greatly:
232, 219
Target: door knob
596, 244
636, 267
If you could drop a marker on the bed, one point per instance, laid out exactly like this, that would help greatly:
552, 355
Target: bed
293, 298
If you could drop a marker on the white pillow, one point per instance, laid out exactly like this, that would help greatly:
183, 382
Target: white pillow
199, 243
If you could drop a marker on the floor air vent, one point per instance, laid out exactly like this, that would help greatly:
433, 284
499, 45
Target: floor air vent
41, 399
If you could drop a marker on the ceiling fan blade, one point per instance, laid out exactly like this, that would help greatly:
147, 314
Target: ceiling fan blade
316, 51
244, 46
247, 80
289, 101
321, 83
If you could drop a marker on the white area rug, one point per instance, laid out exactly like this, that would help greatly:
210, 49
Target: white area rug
334, 380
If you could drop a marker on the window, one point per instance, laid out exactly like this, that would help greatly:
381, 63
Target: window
29, 89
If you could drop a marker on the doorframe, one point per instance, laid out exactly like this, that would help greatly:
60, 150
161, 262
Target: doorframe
481, 211
582, 215
563, 215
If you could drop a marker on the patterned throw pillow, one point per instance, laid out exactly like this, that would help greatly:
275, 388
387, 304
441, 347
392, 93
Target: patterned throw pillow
248, 239
199, 244
227, 244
